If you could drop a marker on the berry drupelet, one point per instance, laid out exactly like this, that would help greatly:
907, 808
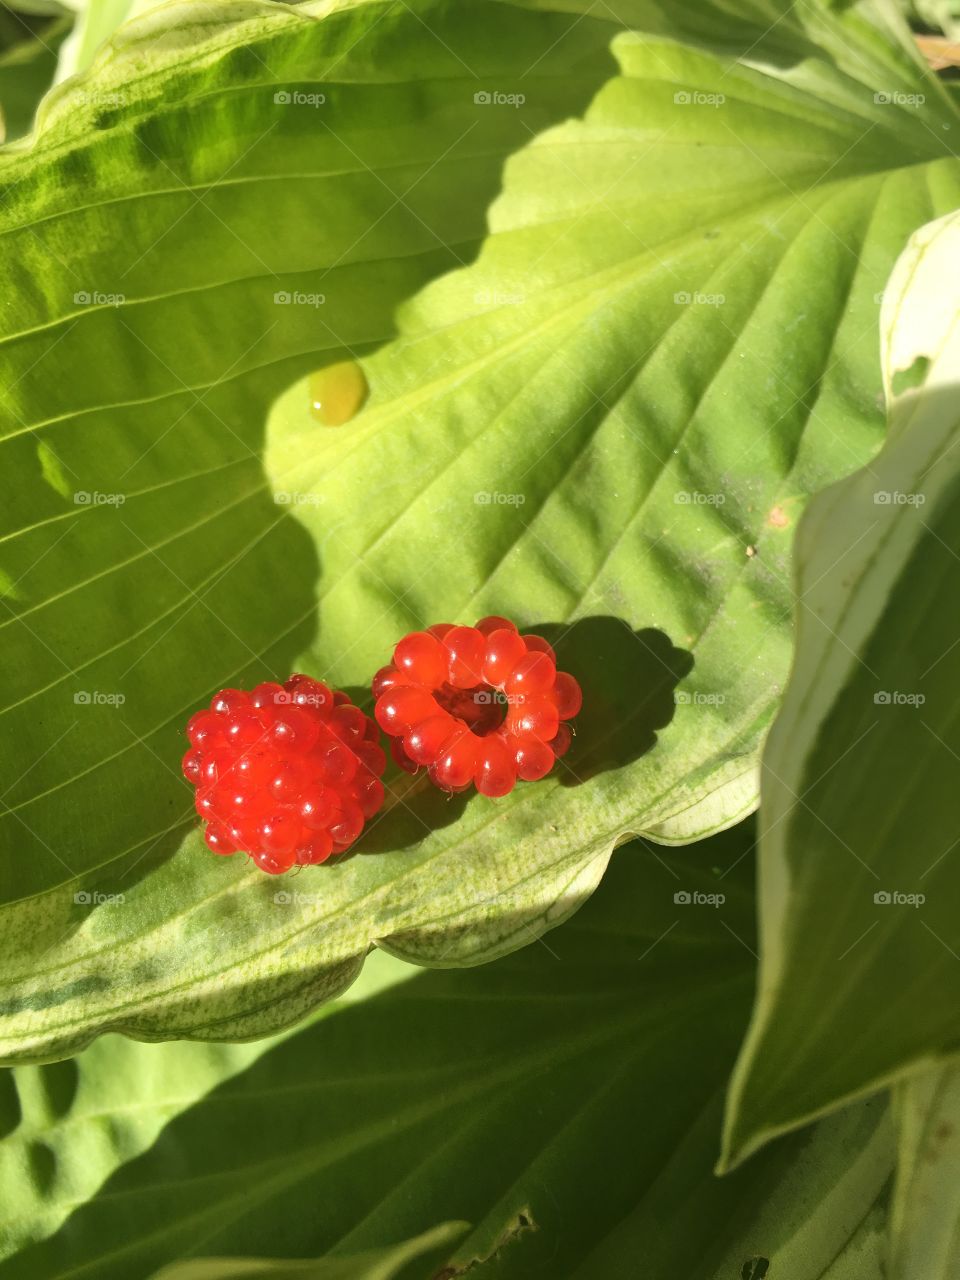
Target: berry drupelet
478, 706
288, 773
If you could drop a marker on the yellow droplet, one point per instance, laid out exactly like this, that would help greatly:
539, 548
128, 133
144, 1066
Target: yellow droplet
337, 393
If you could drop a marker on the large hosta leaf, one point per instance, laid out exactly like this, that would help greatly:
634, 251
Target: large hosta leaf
667, 342
860, 981
565, 1100
65, 1127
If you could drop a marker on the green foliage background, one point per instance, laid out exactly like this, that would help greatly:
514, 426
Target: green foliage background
632, 286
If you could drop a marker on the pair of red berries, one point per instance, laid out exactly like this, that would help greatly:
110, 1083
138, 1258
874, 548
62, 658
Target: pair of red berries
291, 773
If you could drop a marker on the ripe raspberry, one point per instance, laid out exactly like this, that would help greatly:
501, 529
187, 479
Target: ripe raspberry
288, 773
478, 706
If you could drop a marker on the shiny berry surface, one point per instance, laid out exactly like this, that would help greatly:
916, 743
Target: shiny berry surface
288, 774
480, 706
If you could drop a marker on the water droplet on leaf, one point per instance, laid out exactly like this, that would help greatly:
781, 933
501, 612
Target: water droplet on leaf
337, 393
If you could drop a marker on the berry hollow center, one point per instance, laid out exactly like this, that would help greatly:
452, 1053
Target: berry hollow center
482, 708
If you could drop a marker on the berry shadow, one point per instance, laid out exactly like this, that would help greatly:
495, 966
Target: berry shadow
628, 679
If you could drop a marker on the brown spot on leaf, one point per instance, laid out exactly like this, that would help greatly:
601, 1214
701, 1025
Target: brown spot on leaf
778, 518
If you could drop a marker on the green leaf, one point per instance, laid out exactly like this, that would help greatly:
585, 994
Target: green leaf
97, 20
66, 1127
859, 978
381, 1264
925, 1215
560, 368
565, 1100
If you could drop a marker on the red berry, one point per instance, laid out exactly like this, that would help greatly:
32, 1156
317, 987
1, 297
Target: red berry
294, 729
191, 765
487, 626
289, 773
537, 644
534, 673
400, 756
496, 772
348, 825
218, 839
422, 743
487, 711
568, 694
537, 717
370, 795
267, 695
280, 833
422, 658
457, 762
465, 648
534, 759
317, 849
229, 701
204, 728
399, 708
504, 650
440, 629
319, 805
